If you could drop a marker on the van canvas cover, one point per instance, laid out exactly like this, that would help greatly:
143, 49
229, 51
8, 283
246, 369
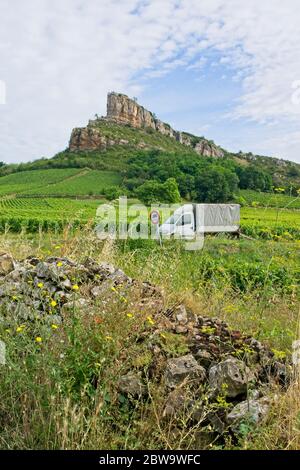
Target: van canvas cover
217, 217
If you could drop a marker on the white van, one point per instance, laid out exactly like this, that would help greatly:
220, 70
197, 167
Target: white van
192, 219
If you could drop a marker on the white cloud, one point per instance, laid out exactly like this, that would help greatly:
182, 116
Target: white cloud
59, 58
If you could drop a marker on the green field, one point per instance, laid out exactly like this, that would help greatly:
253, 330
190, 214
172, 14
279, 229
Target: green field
254, 198
45, 213
54, 213
53, 198
60, 182
27, 181
270, 223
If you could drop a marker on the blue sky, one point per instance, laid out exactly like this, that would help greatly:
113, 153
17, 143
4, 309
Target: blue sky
223, 69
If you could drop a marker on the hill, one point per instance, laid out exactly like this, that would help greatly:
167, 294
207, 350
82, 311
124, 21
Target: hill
130, 147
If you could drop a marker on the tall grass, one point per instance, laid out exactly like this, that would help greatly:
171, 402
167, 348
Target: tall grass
61, 393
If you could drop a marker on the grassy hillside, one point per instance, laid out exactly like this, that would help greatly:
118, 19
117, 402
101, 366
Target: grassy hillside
255, 198
117, 158
29, 181
88, 182
69, 182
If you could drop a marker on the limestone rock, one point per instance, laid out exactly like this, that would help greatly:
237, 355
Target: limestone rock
184, 368
179, 402
131, 384
6, 264
45, 271
204, 358
123, 110
208, 149
253, 411
230, 377
91, 138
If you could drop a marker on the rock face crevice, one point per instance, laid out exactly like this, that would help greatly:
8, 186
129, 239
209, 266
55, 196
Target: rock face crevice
123, 110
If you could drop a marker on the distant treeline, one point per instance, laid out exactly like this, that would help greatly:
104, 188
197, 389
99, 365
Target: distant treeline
158, 175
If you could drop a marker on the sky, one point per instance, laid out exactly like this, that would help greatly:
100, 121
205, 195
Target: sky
225, 69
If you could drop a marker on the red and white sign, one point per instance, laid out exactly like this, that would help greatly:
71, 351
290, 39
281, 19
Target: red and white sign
155, 217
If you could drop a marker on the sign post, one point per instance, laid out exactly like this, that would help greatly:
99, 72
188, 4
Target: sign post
155, 219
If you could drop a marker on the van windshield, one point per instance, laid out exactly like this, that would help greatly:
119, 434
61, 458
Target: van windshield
171, 220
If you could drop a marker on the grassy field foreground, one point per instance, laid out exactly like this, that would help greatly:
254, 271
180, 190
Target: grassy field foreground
48, 399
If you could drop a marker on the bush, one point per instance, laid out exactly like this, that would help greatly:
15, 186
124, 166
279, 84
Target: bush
154, 192
215, 185
113, 192
254, 178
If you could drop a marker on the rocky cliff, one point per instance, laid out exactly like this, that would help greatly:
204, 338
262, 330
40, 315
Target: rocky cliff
122, 110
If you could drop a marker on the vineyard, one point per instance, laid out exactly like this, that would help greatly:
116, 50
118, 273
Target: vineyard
50, 199
33, 214
58, 182
27, 181
255, 198
270, 223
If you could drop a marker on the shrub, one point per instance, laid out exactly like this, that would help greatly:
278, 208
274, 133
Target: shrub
154, 192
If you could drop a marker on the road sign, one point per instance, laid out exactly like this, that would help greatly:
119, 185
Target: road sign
155, 217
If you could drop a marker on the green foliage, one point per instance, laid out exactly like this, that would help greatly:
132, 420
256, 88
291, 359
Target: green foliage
154, 192
63, 390
36, 180
113, 192
215, 185
254, 178
270, 199
173, 344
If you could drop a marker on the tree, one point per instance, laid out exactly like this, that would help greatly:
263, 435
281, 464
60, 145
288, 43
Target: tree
254, 178
292, 171
154, 192
215, 184
113, 192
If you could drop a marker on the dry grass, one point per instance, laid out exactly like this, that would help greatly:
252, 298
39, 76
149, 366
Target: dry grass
39, 408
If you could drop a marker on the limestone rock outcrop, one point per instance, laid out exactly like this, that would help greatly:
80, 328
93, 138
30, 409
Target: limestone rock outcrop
123, 110
91, 138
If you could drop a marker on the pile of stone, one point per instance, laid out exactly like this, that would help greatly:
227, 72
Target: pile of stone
226, 379
223, 378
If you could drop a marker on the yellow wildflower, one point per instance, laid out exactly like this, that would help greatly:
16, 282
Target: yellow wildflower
130, 315
59, 264
54, 327
109, 338
40, 285
38, 339
75, 287
53, 303
150, 320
